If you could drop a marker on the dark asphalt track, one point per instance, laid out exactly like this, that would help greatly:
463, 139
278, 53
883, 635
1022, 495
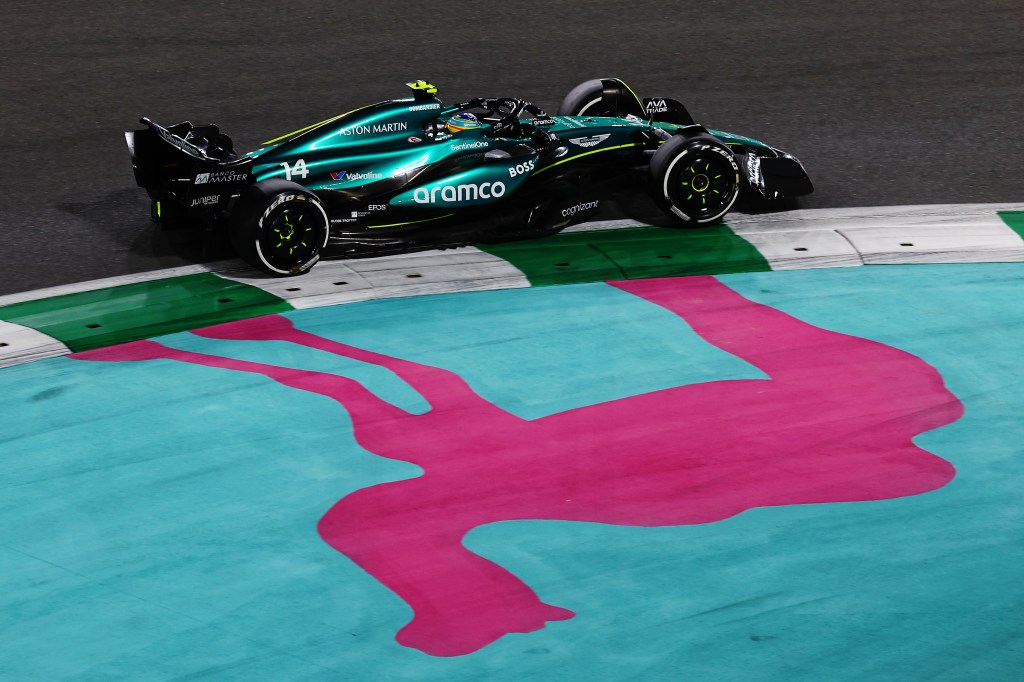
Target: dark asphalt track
886, 103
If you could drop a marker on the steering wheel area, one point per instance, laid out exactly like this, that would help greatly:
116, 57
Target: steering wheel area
503, 113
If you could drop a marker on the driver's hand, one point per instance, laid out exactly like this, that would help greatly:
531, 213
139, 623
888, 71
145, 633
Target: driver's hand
543, 139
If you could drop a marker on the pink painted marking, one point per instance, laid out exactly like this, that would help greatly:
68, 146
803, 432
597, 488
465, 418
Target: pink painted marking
834, 423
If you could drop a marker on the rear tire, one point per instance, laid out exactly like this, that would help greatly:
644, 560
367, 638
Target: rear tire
601, 97
279, 227
583, 97
695, 178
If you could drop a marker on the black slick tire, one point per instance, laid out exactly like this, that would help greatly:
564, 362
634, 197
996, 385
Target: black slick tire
279, 227
601, 97
585, 98
695, 178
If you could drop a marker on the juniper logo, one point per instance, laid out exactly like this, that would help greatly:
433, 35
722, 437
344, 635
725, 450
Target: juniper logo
210, 200
448, 194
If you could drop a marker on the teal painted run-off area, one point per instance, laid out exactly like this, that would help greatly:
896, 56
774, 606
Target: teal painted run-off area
159, 518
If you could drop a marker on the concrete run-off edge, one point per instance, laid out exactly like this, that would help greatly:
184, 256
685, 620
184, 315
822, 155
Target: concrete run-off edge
52, 322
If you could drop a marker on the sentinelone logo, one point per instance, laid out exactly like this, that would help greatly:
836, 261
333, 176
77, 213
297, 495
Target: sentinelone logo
470, 145
457, 193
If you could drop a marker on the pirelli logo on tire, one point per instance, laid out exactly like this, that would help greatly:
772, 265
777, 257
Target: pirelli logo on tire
699, 181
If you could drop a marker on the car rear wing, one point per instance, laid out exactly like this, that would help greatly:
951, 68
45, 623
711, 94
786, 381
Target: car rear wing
204, 143
162, 155
177, 141
187, 170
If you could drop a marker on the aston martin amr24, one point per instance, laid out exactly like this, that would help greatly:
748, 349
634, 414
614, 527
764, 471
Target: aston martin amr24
416, 173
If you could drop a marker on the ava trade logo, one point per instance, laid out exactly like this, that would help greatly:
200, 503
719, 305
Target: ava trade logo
657, 106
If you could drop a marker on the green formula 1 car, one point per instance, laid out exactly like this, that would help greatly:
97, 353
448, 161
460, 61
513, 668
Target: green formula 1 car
415, 173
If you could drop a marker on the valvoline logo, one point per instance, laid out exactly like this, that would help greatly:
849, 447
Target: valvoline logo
355, 175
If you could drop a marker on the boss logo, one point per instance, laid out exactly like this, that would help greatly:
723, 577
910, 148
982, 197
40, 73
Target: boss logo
522, 168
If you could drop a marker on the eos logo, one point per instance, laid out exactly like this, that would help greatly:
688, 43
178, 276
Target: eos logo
573, 210
591, 141
456, 193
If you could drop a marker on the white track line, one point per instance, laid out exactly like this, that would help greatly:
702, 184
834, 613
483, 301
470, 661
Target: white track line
20, 344
842, 237
95, 284
415, 274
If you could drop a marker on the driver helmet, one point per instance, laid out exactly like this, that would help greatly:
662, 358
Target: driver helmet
462, 121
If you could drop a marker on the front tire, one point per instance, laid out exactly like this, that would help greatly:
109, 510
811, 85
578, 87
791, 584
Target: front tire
279, 227
695, 178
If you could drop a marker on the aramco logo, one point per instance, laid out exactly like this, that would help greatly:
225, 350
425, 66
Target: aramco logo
458, 193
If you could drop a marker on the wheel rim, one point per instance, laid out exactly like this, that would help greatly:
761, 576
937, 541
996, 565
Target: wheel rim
705, 185
293, 234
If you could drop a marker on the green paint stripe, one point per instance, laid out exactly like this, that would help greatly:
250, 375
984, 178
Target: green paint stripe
105, 317
632, 253
1015, 220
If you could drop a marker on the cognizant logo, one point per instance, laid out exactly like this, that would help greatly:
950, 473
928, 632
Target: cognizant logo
456, 193
573, 210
